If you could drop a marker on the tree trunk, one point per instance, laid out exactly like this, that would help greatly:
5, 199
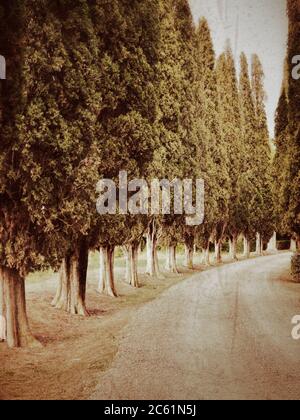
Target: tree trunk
218, 252
71, 291
60, 300
259, 246
152, 257
102, 271
171, 266
233, 248
14, 322
293, 247
167, 265
298, 243
2, 312
272, 245
131, 265
127, 264
206, 255
189, 257
156, 263
107, 279
78, 284
246, 247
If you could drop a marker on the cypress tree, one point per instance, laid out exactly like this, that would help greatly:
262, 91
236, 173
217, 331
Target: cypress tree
231, 132
20, 245
167, 162
80, 108
173, 228
127, 141
286, 163
144, 45
251, 189
293, 186
280, 167
211, 152
266, 221
46, 137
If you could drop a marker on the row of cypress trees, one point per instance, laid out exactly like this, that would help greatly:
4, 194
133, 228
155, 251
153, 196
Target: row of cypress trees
287, 159
98, 86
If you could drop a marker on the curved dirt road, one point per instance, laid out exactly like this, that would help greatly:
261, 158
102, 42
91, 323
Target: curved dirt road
222, 334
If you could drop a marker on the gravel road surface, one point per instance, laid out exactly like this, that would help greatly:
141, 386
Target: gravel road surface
222, 334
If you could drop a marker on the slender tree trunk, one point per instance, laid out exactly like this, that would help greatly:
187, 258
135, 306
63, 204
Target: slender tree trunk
230, 247
71, 290
110, 278
259, 248
107, 278
14, 322
152, 257
171, 265
168, 263
173, 262
189, 257
150, 264
246, 247
2, 312
218, 251
298, 243
78, 284
131, 265
60, 300
127, 264
233, 247
293, 247
206, 255
272, 245
102, 271
156, 263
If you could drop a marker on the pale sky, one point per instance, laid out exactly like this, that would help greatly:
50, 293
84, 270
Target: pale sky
252, 26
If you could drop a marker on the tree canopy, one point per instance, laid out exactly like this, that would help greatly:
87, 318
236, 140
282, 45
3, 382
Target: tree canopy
97, 87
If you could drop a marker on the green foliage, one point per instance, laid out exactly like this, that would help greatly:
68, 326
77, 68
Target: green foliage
50, 106
293, 216
126, 133
212, 149
287, 160
251, 192
181, 163
96, 87
265, 223
231, 134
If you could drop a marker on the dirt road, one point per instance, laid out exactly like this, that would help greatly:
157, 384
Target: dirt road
223, 334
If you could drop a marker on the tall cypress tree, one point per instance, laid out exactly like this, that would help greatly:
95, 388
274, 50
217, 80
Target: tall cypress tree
79, 109
293, 186
251, 191
231, 131
265, 222
280, 167
128, 36
173, 228
211, 148
167, 162
286, 163
46, 137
